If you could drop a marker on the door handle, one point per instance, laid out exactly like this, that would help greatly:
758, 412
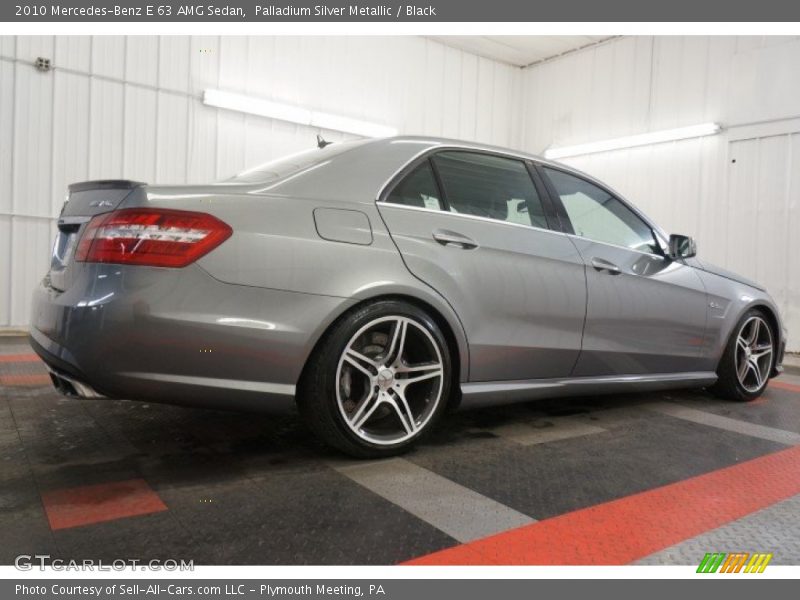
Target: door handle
603, 265
451, 238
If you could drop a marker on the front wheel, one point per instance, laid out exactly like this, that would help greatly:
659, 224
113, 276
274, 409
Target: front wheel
746, 364
378, 381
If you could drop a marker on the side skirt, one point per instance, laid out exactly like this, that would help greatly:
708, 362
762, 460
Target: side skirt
489, 393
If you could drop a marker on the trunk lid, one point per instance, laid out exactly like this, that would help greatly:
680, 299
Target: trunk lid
84, 201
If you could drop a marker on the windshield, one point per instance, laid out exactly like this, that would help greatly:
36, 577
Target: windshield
294, 163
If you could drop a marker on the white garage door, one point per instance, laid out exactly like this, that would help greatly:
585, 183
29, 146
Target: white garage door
763, 220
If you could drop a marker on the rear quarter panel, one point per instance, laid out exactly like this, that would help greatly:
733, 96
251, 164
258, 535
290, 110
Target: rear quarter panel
276, 245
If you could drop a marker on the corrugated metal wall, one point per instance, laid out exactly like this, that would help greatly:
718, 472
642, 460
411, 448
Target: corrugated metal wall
738, 192
130, 107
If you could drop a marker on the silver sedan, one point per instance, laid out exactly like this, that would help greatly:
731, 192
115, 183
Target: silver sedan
375, 284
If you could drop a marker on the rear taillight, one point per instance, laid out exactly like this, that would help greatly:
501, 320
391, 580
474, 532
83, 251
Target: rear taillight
153, 237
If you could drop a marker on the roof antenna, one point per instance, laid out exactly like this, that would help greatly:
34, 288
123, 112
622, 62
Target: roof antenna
322, 142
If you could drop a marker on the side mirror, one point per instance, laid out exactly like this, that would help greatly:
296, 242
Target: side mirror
681, 246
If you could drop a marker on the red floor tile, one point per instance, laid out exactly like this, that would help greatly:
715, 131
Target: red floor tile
12, 358
624, 530
25, 379
782, 385
89, 504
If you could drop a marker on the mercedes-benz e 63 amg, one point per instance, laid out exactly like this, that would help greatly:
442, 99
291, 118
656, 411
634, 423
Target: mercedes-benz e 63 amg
374, 284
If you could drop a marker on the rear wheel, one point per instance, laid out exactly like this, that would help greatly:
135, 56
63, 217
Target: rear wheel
746, 364
378, 381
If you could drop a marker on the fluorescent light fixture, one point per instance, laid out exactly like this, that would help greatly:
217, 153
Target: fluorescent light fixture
294, 114
631, 141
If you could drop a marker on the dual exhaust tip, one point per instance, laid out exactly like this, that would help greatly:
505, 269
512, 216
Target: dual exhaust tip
72, 388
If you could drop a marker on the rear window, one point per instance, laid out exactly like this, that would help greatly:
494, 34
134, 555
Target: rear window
418, 189
294, 163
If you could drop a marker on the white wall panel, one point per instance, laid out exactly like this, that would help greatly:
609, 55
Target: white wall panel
485, 94
139, 136
468, 98
30, 47
502, 105
33, 115
8, 46
203, 62
767, 83
451, 94
131, 107
201, 154
738, 211
70, 147
260, 66
31, 243
173, 63
172, 138
792, 258
141, 59
7, 135
108, 56
73, 52
106, 125
413, 95
5, 269
772, 212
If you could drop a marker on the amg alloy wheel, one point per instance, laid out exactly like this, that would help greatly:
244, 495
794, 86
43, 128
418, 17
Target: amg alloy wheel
746, 364
378, 381
389, 380
754, 354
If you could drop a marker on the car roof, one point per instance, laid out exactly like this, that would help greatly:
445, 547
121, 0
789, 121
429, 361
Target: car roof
362, 170
435, 141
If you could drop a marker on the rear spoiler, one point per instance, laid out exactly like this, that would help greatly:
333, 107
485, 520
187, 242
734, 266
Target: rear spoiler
105, 184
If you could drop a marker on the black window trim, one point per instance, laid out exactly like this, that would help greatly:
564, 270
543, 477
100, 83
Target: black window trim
554, 224
444, 203
567, 223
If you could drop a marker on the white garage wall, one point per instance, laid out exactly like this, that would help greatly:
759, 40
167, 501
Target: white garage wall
745, 214
130, 107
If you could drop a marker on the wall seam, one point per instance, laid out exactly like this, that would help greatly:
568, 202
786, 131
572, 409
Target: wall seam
124, 106
13, 180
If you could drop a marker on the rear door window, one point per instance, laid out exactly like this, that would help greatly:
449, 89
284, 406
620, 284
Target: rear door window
489, 186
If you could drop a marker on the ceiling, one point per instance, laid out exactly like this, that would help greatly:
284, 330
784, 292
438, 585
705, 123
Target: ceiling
519, 50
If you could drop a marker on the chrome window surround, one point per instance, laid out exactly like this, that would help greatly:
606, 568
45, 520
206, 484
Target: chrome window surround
660, 235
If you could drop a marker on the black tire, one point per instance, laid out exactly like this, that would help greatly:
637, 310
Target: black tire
317, 398
728, 385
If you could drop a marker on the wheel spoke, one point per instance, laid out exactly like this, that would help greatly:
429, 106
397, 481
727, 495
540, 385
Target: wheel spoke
395, 353
398, 402
360, 362
740, 341
363, 416
764, 352
408, 381
419, 368
741, 371
753, 365
752, 339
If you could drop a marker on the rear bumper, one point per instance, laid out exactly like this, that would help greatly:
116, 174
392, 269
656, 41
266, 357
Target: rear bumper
178, 336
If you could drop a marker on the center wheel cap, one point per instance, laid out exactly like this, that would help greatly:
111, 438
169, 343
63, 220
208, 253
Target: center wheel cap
385, 379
